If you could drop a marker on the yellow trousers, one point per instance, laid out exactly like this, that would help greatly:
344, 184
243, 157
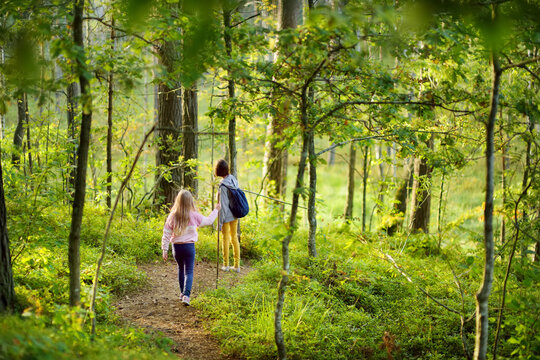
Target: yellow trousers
230, 237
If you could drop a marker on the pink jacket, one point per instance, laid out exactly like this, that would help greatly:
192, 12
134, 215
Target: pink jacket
189, 235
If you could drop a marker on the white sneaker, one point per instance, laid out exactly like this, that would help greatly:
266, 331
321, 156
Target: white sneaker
225, 268
237, 269
185, 300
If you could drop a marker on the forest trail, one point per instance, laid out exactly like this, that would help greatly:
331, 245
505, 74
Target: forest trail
158, 308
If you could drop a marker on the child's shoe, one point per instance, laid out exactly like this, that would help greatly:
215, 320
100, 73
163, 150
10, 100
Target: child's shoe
225, 268
185, 300
237, 269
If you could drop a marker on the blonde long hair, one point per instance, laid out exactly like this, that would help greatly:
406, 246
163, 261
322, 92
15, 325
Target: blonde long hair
183, 205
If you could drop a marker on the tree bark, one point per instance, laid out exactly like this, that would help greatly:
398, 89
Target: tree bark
72, 93
18, 136
82, 162
350, 183
482, 296
504, 165
110, 99
526, 175
278, 331
169, 125
189, 143
109, 139
400, 204
231, 92
2, 84
275, 158
421, 194
7, 293
365, 170
28, 139
312, 211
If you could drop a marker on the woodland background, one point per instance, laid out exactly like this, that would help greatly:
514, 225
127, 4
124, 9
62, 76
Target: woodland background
389, 151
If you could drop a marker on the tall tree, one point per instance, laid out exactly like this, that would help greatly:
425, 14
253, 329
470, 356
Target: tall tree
190, 137
82, 158
275, 156
421, 193
231, 85
110, 106
350, 182
365, 175
18, 135
7, 294
72, 104
169, 124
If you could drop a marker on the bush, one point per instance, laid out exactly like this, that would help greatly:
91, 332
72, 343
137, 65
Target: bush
35, 338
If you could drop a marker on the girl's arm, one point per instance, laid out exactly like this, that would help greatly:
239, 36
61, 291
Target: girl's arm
209, 220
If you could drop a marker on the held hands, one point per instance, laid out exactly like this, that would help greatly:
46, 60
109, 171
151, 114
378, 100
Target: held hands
218, 206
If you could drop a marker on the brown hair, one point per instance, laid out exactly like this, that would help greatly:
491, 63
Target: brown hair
222, 168
183, 205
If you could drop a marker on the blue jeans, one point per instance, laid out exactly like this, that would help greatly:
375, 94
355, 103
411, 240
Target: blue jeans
184, 254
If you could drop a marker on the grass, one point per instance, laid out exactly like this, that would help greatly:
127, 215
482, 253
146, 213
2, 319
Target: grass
348, 303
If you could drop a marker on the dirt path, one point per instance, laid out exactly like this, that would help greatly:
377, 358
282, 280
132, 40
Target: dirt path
158, 308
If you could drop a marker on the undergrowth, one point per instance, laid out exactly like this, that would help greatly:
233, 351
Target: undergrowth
352, 302
44, 326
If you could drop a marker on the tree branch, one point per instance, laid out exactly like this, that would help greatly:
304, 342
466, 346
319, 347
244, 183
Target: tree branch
350, 141
520, 64
246, 19
530, 72
100, 20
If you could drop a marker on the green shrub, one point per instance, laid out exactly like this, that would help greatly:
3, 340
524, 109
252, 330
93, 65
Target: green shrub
66, 338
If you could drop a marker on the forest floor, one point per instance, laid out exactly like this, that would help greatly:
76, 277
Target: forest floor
158, 308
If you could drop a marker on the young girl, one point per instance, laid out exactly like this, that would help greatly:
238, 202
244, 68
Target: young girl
227, 221
181, 230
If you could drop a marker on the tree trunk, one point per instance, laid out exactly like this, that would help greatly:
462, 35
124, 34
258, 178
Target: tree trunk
110, 99
168, 129
278, 331
350, 183
109, 139
82, 162
312, 211
331, 157
18, 136
7, 294
28, 139
2, 84
400, 204
231, 89
482, 296
421, 194
526, 173
72, 93
275, 157
365, 170
504, 165
189, 143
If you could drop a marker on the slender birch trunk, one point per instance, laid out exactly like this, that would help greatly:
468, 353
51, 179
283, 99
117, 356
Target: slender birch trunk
110, 98
350, 183
482, 296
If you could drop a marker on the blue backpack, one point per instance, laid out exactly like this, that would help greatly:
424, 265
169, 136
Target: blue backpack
237, 202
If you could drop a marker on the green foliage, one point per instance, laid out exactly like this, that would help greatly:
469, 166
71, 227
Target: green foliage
345, 299
49, 328
33, 338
